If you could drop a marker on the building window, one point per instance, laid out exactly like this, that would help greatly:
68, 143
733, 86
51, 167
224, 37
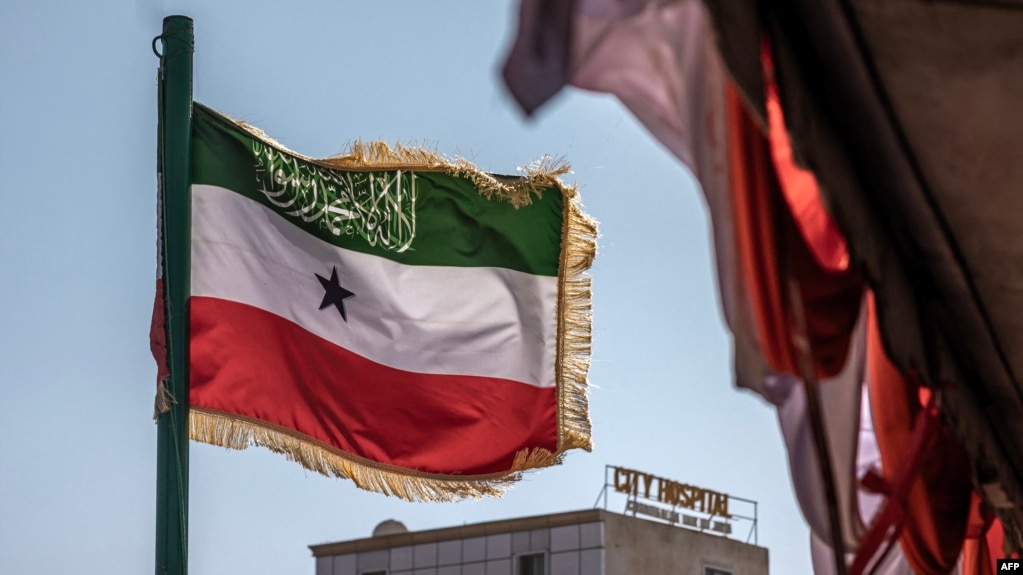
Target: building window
532, 564
380, 572
716, 571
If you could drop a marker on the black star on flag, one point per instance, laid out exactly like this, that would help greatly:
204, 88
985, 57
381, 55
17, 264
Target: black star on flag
334, 294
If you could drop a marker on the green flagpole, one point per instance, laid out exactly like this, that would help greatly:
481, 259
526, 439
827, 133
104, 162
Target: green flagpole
175, 126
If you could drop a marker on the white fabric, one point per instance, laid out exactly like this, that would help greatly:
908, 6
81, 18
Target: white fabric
823, 564
840, 403
425, 319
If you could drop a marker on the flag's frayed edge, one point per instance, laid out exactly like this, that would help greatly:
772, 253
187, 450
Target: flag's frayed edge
519, 191
574, 320
233, 431
574, 337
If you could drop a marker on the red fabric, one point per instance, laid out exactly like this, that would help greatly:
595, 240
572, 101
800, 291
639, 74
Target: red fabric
977, 557
996, 544
772, 250
158, 334
432, 423
938, 499
754, 225
984, 541
799, 186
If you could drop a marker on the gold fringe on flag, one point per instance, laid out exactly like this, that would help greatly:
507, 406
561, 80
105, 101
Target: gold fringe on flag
233, 431
163, 400
579, 247
574, 309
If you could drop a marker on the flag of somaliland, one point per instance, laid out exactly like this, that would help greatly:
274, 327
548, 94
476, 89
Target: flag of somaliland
390, 316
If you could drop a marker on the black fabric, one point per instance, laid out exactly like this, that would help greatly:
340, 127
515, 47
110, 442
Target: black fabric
537, 67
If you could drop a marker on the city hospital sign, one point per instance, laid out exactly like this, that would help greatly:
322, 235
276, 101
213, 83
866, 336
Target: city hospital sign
638, 485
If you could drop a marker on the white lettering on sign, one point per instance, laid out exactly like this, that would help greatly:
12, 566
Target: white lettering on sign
653, 511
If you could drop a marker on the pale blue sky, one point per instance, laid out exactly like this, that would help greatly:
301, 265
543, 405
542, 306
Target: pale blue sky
77, 266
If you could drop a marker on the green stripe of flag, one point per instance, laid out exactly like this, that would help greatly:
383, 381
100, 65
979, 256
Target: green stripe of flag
411, 217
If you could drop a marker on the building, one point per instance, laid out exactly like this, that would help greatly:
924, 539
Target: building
590, 542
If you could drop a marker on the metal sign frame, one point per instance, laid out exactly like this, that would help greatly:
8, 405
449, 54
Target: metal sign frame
703, 522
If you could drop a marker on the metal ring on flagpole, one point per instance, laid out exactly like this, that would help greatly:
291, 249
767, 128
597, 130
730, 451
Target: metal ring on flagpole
155, 51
